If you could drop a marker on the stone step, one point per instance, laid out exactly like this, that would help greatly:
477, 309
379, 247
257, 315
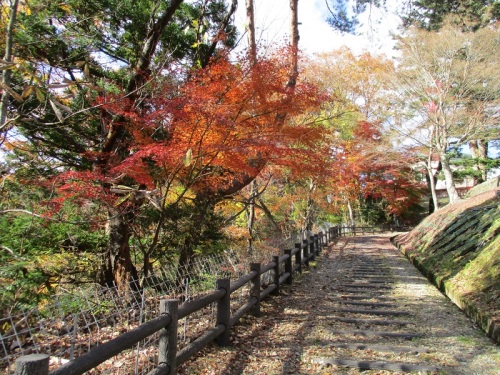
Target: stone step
368, 296
370, 281
380, 348
375, 304
373, 312
368, 333
365, 285
375, 365
374, 276
366, 292
367, 274
384, 322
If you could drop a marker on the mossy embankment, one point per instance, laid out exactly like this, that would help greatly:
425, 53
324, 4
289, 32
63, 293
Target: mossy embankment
458, 248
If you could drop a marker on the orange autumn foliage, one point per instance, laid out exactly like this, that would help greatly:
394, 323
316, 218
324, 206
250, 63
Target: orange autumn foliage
368, 167
226, 122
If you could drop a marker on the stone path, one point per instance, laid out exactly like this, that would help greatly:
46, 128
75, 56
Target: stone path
363, 309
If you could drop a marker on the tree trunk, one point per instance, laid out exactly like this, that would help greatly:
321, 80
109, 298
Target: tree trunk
310, 213
252, 46
431, 183
448, 178
123, 271
294, 31
351, 213
203, 207
251, 216
482, 147
6, 74
431, 178
479, 151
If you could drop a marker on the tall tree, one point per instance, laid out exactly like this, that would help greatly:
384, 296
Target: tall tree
449, 85
72, 56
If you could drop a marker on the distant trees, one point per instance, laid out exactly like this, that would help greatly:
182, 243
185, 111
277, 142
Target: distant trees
367, 171
449, 85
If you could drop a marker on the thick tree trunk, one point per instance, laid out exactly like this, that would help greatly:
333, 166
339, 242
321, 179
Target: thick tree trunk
119, 260
448, 178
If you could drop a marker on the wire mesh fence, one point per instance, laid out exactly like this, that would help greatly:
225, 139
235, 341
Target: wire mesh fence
77, 320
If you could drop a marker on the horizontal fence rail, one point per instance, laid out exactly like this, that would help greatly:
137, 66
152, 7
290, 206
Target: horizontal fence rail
281, 269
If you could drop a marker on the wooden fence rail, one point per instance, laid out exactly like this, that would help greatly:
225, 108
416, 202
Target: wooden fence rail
166, 323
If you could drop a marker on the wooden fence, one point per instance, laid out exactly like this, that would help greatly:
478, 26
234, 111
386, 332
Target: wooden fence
166, 324
282, 269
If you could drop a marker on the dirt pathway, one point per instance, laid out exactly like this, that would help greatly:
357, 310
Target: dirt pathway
362, 309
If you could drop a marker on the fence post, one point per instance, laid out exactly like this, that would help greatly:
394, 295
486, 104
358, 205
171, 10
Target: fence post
255, 288
224, 311
317, 244
276, 271
305, 246
289, 266
167, 346
298, 256
32, 364
312, 247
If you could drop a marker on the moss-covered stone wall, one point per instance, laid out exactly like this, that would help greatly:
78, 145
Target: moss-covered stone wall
458, 248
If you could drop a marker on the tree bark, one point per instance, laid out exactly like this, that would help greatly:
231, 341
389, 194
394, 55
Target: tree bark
351, 213
479, 151
251, 216
431, 178
294, 32
7, 73
482, 147
122, 269
448, 178
252, 46
309, 217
